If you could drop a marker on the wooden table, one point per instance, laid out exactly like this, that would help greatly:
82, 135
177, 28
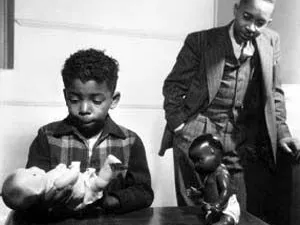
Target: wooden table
150, 216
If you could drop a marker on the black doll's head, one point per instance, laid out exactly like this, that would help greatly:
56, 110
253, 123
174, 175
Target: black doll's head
206, 153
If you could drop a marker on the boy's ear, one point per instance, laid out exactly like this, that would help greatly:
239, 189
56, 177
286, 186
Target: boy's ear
116, 98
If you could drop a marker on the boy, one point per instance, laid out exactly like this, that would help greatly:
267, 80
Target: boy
27, 187
89, 135
226, 81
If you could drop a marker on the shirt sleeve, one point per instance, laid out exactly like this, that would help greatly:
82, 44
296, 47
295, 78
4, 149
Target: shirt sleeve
39, 154
135, 191
280, 108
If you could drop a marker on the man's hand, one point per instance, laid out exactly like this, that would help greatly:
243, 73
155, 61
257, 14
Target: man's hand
179, 128
291, 146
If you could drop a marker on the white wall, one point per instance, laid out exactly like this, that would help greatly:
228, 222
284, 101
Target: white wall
144, 36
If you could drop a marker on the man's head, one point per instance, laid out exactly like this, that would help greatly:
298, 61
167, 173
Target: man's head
90, 79
206, 153
23, 188
251, 17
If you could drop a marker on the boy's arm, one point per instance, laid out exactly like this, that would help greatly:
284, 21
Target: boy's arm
178, 81
135, 191
39, 154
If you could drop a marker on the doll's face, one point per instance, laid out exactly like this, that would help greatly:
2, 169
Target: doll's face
205, 157
32, 179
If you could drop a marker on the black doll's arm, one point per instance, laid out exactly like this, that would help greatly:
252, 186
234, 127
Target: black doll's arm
223, 184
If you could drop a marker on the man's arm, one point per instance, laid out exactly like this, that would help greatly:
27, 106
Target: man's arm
178, 81
280, 109
286, 141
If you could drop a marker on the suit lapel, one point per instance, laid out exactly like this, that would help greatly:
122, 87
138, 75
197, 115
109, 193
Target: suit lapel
217, 47
265, 52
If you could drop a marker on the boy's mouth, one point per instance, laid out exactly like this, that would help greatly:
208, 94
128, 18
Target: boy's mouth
87, 123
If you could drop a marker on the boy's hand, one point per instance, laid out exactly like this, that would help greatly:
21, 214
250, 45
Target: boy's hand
110, 203
57, 197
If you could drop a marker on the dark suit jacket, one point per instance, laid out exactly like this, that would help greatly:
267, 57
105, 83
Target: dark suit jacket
197, 73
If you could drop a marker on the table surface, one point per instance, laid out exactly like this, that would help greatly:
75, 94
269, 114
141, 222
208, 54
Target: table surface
151, 216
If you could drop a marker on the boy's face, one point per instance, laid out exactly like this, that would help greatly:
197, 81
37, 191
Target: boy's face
205, 158
251, 18
88, 104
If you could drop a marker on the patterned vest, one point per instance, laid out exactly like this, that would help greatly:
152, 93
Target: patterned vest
235, 112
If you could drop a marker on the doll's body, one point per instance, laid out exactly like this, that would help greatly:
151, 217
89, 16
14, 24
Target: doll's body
214, 193
25, 187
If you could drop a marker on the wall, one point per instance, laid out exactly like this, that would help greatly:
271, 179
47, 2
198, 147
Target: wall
144, 36
286, 21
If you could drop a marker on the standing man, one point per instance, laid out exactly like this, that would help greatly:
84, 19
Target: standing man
226, 82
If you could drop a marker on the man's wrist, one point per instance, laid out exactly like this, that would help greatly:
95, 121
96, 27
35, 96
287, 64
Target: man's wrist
180, 127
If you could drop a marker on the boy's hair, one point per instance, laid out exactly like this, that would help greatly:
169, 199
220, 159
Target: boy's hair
91, 64
14, 194
211, 139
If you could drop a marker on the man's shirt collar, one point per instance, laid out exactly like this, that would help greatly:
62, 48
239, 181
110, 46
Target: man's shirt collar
237, 48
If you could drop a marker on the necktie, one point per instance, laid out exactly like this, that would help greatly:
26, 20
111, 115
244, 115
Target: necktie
246, 51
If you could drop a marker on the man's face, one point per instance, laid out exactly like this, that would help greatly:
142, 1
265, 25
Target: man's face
88, 104
251, 18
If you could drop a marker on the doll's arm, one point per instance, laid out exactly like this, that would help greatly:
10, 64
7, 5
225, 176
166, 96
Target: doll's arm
94, 185
61, 181
223, 183
112, 166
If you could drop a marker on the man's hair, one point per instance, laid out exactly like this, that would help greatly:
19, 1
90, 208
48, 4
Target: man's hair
211, 139
246, 1
15, 195
91, 64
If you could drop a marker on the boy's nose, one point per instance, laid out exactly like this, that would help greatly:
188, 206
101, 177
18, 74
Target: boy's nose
84, 108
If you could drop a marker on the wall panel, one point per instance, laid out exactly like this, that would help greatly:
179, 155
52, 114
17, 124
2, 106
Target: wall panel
144, 36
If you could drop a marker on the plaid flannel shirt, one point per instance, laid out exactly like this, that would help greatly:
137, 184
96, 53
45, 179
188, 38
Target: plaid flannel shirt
60, 142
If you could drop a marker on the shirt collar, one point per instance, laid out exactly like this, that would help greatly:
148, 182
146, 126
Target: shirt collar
237, 48
110, 127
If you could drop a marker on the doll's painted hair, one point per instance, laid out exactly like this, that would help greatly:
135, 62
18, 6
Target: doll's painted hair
211, 139
15, 195
91, 64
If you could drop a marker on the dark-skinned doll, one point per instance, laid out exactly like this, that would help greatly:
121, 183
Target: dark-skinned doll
214, 195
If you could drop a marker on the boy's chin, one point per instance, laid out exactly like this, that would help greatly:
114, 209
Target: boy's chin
89, 132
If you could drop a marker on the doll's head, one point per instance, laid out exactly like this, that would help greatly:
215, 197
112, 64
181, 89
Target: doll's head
23, 188
206, 153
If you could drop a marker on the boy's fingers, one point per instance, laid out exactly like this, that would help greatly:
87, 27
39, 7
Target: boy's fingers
63, 195
57, 196
118, 167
